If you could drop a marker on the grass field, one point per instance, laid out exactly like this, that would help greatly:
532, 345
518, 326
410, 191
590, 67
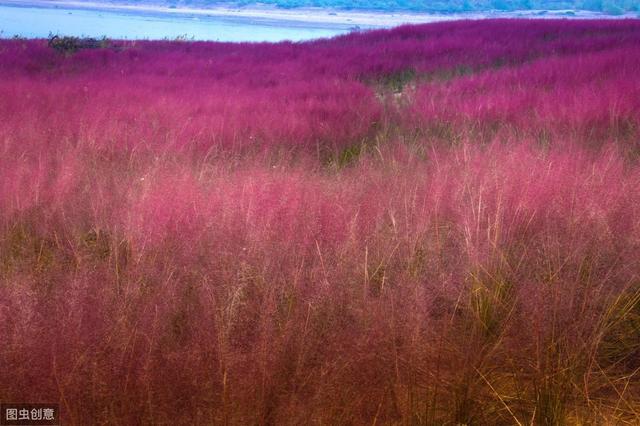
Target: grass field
429, 225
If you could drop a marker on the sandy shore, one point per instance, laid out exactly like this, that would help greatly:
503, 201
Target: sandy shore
38, 18
329, 17
307, 15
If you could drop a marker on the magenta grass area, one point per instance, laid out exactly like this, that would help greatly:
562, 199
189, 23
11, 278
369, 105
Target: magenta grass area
434, 224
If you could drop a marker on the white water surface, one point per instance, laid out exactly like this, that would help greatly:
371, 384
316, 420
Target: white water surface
39, 22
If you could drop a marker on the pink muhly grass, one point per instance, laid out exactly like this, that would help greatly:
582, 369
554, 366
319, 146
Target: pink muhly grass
432, 224
587, 99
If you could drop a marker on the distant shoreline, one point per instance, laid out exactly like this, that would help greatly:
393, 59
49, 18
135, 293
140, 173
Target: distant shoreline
40, 18
317, 16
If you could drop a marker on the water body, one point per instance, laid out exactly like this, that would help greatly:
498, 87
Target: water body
39, 22
39, 18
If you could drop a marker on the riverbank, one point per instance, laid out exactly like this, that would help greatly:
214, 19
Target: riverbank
38, 18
